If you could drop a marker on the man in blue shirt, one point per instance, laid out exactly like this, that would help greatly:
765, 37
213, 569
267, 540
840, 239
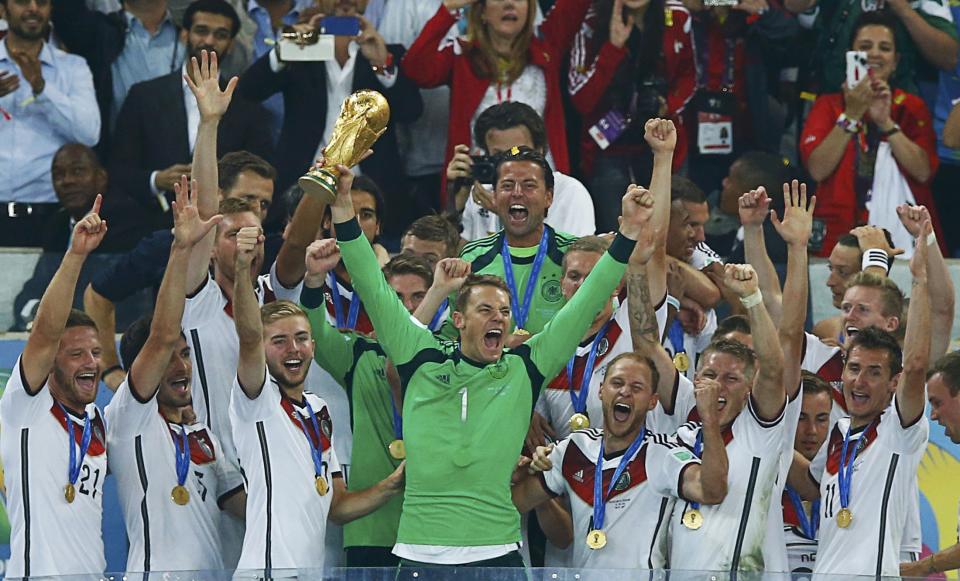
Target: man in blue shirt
46, 100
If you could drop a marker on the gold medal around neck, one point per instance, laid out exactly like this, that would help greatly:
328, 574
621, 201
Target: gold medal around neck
522, 332
398, 451
692, 519
579, 422
844, 518
180, 495
321, 484
69, 493
596, 539
681, 361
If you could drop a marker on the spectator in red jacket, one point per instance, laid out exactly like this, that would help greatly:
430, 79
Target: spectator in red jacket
632, 60
852, 138
500, 59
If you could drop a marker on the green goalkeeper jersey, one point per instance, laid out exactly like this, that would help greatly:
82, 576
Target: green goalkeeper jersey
464, 422
358, 364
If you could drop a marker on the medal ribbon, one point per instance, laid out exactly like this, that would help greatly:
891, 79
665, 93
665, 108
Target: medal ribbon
181, 452
314, 450
599, 499
73, 470
845, 473
675, 334
351, 320
810, 525
438, 317
520, 311
397, 420
580, 399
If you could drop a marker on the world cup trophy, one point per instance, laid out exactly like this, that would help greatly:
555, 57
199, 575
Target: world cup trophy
363, 119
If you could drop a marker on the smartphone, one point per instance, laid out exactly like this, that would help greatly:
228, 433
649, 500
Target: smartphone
340, 25
322, 50
484, 169
856, 67
714, 3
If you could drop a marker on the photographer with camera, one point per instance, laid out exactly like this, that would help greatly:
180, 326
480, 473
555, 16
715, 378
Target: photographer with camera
470, 177
633, 60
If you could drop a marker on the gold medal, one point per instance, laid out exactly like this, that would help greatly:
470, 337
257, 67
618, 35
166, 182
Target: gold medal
681, 361
579, 422
596, 539
521, 332
692, 519
69, 492
844, 518
180, 495
397, 450
322, 486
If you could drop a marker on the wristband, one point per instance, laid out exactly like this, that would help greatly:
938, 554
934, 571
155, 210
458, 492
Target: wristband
891, 131
110, 370
875, 257
849, 125
387, 66
753, 300
931, 239
673, 302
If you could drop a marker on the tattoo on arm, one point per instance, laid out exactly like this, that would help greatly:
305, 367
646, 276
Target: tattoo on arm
643, 319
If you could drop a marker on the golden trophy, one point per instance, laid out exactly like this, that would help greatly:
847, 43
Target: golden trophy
363, 119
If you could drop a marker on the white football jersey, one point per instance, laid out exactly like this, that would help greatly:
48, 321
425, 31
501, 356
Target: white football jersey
555, 403
801, 548
638, 508
775, 559
884, 479
48, 535
684, 403
733, 532
286, 517
163, 535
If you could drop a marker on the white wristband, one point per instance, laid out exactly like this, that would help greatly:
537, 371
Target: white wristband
673, 302
753, 300
875, 257
931, 239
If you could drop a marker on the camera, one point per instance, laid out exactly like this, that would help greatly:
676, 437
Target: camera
484, 169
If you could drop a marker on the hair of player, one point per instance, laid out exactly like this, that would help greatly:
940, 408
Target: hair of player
634, 356
813, 384
230, 206
876, 338
733, 324
405, 263
593, 244
435, 228
524, 153
291, 199
366, 184
134, 338
278, 310
734, 349
234, 163
477, 280
948, 367
849, 240
684, 190
761, 168
78, 318
893, 301
218, 7
508, 115
882, 18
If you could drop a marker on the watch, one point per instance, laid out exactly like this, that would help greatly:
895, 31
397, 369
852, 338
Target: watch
891, 131
387, 66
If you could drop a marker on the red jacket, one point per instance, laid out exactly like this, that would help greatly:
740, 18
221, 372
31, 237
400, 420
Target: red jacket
592, 72
836, 197
431, 62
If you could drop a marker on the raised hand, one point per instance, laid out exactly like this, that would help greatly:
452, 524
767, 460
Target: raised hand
371, 44
619, 29
918, 262
248, 239
322, 257
754, 207
204, 83
9, 83
913, 217
450, 274
30, 69
541, 459
797, 223
874, 237
89, 232
461, 164
661, 135
188, 228
880, 103
457, 4
857, 99
740, 279
707, 393
636, 208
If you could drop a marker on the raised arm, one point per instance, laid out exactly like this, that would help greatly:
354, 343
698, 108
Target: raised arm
754, 206
800, 479
300, 233
334, 351
939, 283
348, 506
104, 314
661, 136
937, 46
448, 276
252, 364
911, 399
428, 63
768, 393
795, 229
212, 103
54, 308
707, 483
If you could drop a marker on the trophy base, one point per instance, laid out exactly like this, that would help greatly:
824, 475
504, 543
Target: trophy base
320, 184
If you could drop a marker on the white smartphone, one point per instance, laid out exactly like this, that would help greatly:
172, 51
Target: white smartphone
856, 67
322, 50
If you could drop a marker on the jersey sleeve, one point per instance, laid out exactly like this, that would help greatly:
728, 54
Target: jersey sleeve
551, 349
397, 333
126, 415
281, 292
667, 460
553, 480
334, 350
19, 408
334, 462
819, 462
259, 408
200, 308
229, 479
904, 439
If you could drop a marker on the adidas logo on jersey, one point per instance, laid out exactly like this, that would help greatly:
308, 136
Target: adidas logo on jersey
578, 475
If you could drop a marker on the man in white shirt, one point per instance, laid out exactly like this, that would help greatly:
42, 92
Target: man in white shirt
498, 129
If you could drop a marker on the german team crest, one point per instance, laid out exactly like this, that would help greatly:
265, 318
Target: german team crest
623, 482
603, 347
498, 370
